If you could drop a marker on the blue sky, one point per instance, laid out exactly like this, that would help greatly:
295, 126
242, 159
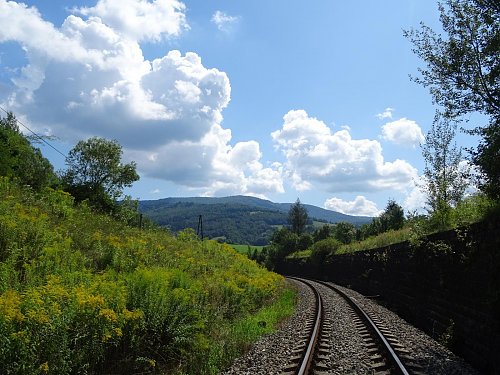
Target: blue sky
278, 99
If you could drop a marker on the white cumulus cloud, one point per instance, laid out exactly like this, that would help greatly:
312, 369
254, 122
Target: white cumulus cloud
403, 132
316, 155
140, 19
360, 206
92, 80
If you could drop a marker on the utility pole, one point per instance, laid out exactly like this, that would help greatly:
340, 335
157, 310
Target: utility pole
199, 231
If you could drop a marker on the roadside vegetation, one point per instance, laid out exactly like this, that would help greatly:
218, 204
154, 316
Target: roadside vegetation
83, 289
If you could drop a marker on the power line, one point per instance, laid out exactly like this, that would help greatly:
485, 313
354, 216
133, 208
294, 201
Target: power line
35, 134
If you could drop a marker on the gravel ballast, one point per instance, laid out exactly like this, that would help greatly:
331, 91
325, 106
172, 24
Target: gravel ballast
348, 353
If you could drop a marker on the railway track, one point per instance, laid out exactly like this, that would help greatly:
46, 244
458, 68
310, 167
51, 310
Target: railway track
311, 354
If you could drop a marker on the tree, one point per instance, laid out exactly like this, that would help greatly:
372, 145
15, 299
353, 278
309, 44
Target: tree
95, 172
487, 158
445, 180
283, 242
297, 217
322, 233
393, 217
463, 74
19, 159
305, 241
345, 232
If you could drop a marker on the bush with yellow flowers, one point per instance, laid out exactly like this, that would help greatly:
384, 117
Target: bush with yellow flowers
82, 293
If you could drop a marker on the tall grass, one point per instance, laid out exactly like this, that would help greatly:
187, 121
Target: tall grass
233, 339
81, 293
380, 240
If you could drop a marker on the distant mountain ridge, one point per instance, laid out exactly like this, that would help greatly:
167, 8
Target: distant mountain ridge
237, 219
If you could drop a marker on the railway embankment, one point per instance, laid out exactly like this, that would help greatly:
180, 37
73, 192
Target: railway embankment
447, 284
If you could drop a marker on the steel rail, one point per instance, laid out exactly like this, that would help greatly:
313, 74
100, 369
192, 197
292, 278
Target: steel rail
391, 354
307, 359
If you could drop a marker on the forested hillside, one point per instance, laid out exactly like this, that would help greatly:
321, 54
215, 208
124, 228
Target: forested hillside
233, 223
238, 219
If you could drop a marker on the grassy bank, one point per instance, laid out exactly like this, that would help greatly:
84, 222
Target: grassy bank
235, 338
83, 293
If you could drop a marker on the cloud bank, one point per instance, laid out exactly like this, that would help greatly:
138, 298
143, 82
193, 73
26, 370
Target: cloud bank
92, 79
89, 77
334, 160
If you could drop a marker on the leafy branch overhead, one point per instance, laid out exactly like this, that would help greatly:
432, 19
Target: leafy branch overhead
462, 70
462, 73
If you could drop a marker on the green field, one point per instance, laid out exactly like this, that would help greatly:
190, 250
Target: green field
244, 249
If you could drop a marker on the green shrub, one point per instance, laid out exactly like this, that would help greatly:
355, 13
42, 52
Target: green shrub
322, 249
471, 209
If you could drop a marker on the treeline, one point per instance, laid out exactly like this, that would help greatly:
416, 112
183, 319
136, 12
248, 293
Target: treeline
390, 227
299, 236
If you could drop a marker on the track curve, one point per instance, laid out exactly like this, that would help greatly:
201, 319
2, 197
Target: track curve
314, 348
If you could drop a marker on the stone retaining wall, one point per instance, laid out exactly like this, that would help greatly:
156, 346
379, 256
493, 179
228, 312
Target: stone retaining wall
448, 285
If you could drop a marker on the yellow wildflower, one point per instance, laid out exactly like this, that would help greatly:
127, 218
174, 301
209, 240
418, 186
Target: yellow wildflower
21, 336
10, 306
44, 367
118, 332
132, 315
106, 337
39, 316
108, 314
84, 299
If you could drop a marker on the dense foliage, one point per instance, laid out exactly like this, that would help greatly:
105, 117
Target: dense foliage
96, 173
470, 210
19, 159
231, 223
390, 227
81, 292
463, 75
